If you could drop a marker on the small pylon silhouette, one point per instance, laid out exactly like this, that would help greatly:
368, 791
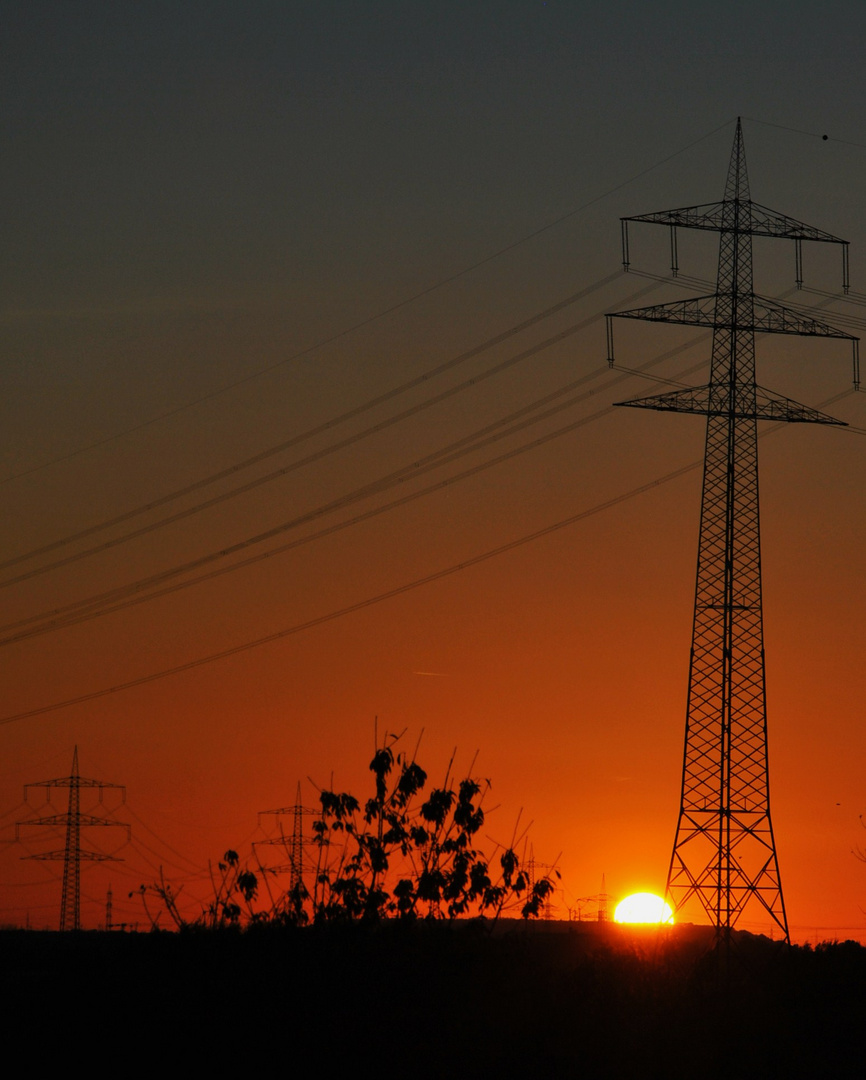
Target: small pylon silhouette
293, 845
73, 821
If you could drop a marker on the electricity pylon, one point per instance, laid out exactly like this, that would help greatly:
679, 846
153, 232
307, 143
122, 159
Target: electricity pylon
532, 867
294, 846
724, 852
72, 854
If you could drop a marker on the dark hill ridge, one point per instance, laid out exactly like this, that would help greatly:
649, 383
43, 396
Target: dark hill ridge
439, 1000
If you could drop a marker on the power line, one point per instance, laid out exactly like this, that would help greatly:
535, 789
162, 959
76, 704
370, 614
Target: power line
367, 321
124, 597
319, 455
158, 838
800, 131
389, 594
117, 603
351, 608
295, 441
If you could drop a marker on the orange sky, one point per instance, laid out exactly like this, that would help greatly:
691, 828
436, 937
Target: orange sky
563, 662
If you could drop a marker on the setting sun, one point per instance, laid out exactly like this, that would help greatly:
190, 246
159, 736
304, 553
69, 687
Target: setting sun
643, 907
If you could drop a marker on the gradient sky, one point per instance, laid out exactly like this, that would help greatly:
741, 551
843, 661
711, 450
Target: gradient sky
214, 195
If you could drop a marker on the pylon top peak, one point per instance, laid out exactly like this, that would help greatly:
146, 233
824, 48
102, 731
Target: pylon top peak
737, 185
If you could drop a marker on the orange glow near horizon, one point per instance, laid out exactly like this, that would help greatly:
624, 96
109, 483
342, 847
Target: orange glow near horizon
645, 908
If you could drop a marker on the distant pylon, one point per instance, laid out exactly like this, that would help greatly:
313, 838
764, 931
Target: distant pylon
604, 899
532, 866
724, 851
293, 845
72, 854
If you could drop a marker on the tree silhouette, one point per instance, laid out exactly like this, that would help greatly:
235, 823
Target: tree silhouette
408, 857
402, 855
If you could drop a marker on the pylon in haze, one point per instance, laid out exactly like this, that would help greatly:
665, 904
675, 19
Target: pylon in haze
72, 854
604, 899
724, 852
294, 847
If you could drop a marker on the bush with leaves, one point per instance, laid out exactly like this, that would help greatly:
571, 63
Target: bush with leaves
406, 856
234, 892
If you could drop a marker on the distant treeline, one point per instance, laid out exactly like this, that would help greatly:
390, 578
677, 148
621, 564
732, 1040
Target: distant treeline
438, 999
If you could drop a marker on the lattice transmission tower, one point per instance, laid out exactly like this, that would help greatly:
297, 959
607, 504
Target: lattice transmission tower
294, 847
724, 852
72, 821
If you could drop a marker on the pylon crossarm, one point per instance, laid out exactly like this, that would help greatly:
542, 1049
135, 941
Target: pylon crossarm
696, 311
770, 406
63, 819
72, 781
766, 222
281, 868
750, 404
767, 316
754, 220
771, 317
83, 856
706, 216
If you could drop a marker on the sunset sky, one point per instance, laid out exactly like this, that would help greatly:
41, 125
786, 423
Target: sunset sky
228, 225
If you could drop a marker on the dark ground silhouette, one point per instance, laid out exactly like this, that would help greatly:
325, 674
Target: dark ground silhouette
437, 1000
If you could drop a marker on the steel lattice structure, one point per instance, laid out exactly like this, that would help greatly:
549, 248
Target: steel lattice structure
73, 854
294, 847
724, 852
